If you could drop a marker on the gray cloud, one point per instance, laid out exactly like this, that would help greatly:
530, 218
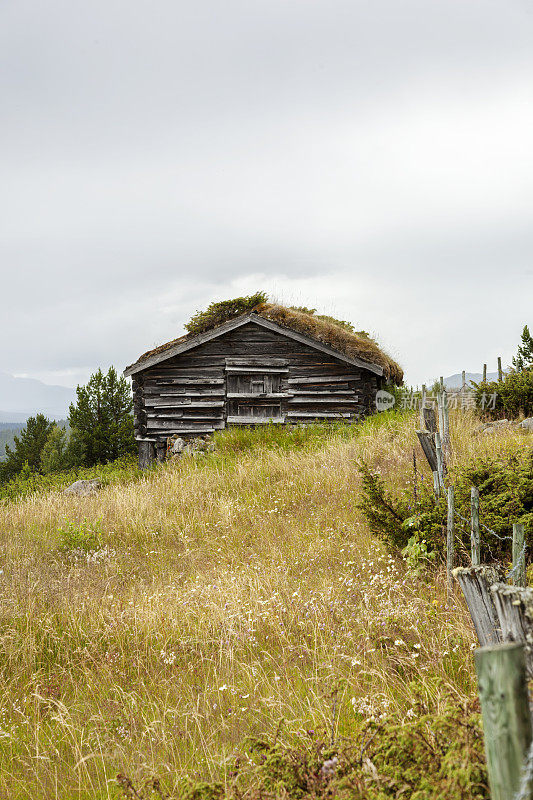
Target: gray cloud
371, 158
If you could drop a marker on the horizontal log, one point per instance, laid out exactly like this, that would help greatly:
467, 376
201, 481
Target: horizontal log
327, 400
324, 392
261, 370
323, 379
254, 420
166, 399
257, 396
256, 361
169, 425
320, 414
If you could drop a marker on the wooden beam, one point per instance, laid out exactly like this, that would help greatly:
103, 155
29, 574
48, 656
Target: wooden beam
256, 396
261, 370
319, 414
261, 361
255, 420
323, 379
328, 400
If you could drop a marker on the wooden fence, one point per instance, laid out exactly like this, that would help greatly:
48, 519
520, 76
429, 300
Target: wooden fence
501, 608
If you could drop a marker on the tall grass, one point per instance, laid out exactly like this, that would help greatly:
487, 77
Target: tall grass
152, 628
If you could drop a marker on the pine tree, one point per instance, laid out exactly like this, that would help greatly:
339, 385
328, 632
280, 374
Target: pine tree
524, 358
102, 419
53, 456
27, 447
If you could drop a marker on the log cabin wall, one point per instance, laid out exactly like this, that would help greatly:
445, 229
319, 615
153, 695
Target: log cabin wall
247, 376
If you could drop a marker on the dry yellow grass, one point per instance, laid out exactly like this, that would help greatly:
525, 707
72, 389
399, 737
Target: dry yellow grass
224, 596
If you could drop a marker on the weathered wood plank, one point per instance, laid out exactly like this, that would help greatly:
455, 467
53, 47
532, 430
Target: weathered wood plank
256, 396
430, 419
427, 442
260, 370
475, 583
514, 609
327, 400
245, 420
312, 379
266, 361
146, 453
166, 425
319, 414
336, 392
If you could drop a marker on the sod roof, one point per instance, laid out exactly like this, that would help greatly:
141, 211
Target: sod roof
351, 344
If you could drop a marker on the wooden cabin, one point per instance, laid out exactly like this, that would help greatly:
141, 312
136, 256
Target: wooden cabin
250, 370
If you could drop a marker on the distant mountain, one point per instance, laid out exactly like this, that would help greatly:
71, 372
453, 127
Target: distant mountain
456, 381
24, 397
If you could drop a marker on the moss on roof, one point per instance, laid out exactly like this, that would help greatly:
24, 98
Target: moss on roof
337, 334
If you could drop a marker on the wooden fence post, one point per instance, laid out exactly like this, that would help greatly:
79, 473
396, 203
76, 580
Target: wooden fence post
500, 371
474, 528
422, 406
484, 373
463, 380
519, 556
446, 434
440, 407
440, 461
450, 535
504, 700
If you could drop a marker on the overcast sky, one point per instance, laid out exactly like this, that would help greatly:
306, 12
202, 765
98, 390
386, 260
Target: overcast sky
371, 158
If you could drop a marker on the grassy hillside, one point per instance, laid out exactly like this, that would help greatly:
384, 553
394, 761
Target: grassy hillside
157, 629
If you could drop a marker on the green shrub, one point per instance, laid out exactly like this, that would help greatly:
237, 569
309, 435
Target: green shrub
26, 482
218, 313
83, 536
513, 396
431, 756
506, 496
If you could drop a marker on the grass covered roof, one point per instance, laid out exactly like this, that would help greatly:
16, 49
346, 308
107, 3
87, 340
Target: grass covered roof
337, 334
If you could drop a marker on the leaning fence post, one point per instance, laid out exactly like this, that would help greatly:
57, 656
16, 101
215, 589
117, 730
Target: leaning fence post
503, 694
474, 528
500, 371
449, 536
519, 555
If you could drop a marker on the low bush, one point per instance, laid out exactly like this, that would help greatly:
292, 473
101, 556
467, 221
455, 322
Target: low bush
510, 397
506, 496
428, 757
26, 482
